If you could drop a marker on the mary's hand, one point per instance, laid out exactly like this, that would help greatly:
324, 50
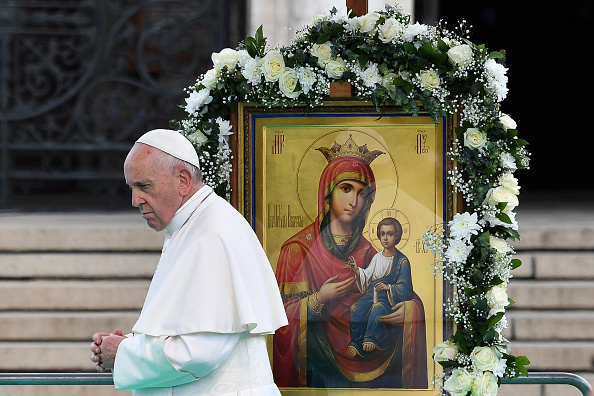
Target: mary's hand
332, 290
396, 318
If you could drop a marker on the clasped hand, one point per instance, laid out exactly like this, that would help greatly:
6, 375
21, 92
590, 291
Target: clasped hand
104, 348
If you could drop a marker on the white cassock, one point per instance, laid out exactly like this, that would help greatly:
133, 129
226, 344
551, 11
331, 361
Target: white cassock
211, 302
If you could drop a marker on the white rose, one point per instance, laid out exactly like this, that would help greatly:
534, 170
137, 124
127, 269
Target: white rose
508, 122
500, 194
459, 383
390, 30
445, 351
198, 138
323, 52
273, 65
226, 58
460, 55
335, 68
507, 180
367, 22
497, 300
429, 79
484, 358
475, 139
318, 18
388, 81
485, 385
499, 244
211, 77
287, 83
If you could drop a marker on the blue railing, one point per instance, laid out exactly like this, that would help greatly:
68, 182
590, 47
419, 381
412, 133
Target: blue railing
552, 378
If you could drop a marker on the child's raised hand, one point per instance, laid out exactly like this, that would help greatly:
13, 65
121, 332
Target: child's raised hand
353, 264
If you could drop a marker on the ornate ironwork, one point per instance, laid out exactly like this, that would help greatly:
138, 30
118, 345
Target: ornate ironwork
80, 80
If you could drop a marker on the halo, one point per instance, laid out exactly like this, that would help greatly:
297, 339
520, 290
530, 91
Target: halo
384, 168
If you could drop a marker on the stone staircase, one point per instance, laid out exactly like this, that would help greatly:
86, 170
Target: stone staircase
62, 278
552, 321
65, 276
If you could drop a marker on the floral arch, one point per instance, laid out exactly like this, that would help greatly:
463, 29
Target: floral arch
389, 60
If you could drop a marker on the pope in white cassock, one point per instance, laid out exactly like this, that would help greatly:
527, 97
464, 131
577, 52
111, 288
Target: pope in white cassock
213, 297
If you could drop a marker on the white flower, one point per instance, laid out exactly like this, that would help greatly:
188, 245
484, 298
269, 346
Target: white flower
287, 83
463, 225
307, 78
340, 16
457, 251
197, 99
244, 57
459, 383
335, 68
507, 180
499, 369
210, 78
475, 139
224, 129
391, 29
484, 358
317, 18
508, 161
500, 194
412, 31
499, 244
323, 52
371, 76
273, 65
496, 79
460, 55
445, 351
226, 58
388, 81
367, 22
429, 79
497, 300
252, 71
508, 122
485, 385
198, 138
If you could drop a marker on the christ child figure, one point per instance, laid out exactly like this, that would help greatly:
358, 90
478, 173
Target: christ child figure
385, 282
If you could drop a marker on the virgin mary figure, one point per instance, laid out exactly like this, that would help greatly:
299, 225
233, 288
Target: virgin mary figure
317, 285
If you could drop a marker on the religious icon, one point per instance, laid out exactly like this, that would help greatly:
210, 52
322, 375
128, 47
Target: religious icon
340, 204
337, 342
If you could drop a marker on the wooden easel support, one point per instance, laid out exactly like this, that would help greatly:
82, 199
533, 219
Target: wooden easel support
345, 90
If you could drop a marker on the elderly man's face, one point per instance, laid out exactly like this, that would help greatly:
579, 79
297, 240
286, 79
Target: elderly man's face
153, 188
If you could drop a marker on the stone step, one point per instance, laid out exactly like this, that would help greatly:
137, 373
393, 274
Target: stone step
568, 356
551, 294
41, 232
549, 325
93, 265
62, 326
62, 390
72, 295
555, 265
46, 356
556, 228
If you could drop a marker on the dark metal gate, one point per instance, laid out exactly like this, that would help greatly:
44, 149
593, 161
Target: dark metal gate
80, 80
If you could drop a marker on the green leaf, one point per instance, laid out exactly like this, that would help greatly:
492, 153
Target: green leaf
494, 319
496, 55
476, 88
515, 263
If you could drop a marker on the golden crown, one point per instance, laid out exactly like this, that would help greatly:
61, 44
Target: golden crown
349, 149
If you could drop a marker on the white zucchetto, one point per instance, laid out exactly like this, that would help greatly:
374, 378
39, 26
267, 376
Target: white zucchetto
172, 143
